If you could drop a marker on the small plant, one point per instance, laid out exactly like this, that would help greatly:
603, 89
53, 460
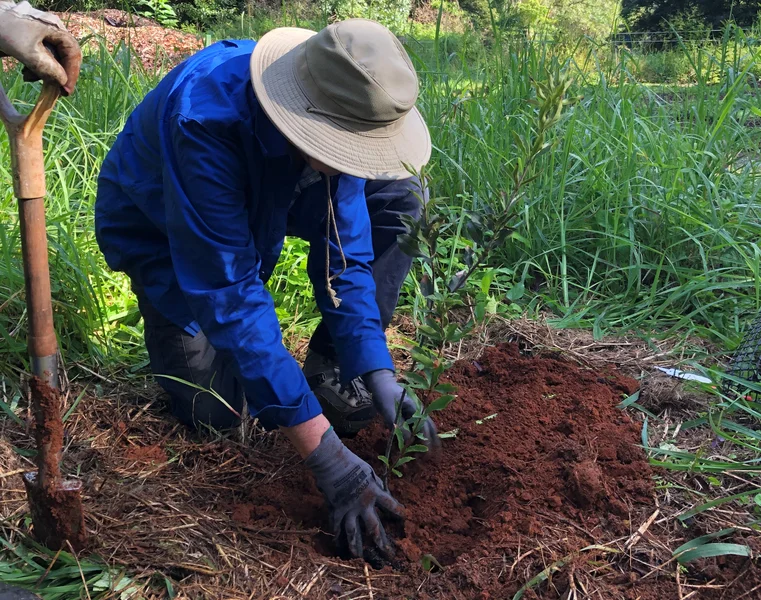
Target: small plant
479, 233
160, 11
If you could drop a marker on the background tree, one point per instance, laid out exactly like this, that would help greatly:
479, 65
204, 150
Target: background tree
655, 14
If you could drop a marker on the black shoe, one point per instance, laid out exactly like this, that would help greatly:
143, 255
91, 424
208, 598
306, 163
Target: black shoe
348, 408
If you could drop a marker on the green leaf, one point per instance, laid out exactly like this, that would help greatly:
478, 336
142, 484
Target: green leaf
486, 281
445, 388
700, 541
430, 331
399, 437
539, 578
451, 331
630, 400
404, 460
710, 550
426, 285
644, 433
411, 246
74, 405
428, 561
417, 448
169, 589
440, 403
416, 380
383, 459
395, 472
12, 415
712, 504
421, 357
516, 292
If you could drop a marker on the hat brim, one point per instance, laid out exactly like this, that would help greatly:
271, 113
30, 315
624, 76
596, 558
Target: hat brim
368, 155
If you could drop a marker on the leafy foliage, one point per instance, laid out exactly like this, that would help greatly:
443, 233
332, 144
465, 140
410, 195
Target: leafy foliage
392, 13
560, 18
160, 11
655, 14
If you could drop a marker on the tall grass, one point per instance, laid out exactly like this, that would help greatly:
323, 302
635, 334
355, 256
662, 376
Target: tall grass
647, 217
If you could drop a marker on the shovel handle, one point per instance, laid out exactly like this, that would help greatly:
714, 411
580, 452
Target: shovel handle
25, 132
28, 168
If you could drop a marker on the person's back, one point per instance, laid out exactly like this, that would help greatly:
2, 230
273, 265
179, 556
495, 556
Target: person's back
213, 90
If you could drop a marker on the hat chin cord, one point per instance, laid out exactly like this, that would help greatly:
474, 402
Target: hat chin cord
331, 220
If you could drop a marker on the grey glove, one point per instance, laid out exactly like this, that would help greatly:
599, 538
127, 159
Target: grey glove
386, 394
352, 491
40, 42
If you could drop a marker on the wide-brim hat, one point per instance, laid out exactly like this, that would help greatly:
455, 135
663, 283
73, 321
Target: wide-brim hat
344, 96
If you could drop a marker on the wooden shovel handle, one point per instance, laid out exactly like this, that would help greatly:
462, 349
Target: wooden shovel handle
28, 168
25, 133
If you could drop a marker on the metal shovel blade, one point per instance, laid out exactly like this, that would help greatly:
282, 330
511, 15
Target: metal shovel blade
55, 502
57, 513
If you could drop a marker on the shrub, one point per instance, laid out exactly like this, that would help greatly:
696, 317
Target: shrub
391, 13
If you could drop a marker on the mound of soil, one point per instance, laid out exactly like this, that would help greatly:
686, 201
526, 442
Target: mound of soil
154, 46
543, 466
539, 444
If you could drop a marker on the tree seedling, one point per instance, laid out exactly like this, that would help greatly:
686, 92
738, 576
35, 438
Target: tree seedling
478, 233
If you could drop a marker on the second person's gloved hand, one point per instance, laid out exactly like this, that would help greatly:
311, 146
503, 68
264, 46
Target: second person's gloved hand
353, 491
386, 394
32, 36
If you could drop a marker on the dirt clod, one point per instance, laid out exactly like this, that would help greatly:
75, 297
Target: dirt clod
585, 484
48, 431
150, 454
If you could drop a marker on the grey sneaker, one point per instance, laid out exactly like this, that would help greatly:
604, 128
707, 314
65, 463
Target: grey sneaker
348, 408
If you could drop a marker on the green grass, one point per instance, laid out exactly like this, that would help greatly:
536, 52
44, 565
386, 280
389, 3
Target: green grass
60, 575
645, 218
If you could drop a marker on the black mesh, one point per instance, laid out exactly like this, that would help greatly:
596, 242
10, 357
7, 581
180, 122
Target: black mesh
746, 362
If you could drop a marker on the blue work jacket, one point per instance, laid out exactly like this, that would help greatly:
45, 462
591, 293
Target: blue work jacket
193, 203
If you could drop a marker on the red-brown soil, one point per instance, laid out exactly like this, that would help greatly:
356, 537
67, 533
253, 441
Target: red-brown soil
151, 454
55, 503
154, 47
543, 465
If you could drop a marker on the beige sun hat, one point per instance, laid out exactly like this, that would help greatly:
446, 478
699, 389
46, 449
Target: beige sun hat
344, 96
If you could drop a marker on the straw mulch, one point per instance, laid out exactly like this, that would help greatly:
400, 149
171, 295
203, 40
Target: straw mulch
163, 501
154, 46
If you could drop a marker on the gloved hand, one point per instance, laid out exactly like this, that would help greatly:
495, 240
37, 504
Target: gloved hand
352, 490
41, 43
386, 394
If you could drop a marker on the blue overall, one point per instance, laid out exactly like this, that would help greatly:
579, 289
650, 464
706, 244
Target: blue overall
194, 201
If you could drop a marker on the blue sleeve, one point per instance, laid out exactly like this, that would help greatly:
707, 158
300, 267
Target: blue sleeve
217, 267
355, 325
